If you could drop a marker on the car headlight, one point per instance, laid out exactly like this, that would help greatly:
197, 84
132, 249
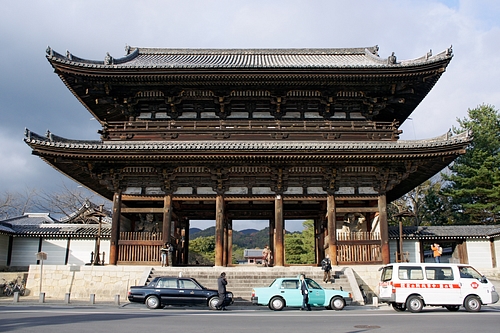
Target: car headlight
230, 295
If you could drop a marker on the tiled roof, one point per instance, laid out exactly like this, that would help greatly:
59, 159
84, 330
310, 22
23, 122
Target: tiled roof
247, 58
446, 232
32, 138
61, 230
29, 219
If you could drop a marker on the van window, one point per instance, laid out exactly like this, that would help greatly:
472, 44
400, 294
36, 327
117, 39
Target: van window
386, 274
410, 273
439, 273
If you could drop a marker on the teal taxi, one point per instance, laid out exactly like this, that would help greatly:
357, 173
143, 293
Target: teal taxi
285, 292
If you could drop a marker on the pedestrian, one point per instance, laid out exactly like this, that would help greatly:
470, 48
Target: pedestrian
305, 293
437, 252
221, 289
326, 266
163, 255
266, 256
170, 250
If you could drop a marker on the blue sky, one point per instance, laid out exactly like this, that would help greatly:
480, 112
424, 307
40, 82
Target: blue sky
32, 96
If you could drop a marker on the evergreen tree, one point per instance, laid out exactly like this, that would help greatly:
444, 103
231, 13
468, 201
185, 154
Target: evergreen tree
474, 181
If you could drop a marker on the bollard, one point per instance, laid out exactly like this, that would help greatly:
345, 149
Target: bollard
117, 299
42, 298
375, 301
66, 298
16, 297
92, 298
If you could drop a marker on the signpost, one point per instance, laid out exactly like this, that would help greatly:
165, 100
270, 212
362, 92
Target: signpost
41, 256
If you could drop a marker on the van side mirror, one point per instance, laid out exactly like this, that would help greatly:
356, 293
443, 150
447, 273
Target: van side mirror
484, 279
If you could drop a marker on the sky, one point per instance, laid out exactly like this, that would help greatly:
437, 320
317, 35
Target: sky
33, 97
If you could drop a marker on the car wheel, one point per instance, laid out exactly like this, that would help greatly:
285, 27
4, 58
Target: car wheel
152, 302
399, 307
212, 303
277, 304
415, 304
452, 308
337, 303
472, 303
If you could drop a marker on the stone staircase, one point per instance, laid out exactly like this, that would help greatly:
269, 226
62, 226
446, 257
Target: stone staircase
241, 280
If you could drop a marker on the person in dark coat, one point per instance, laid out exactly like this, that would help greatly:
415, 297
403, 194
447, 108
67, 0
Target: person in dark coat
221, 289
305, 293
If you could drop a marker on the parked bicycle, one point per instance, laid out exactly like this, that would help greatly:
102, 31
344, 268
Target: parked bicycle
16, 285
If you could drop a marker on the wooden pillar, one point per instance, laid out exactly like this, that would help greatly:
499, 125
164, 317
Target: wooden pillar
186, 242
219, 230
332, 228
224, 245
321, 236
272, 226
167, 218
318, 233
230, 243
115, 228
279, 244
384, 229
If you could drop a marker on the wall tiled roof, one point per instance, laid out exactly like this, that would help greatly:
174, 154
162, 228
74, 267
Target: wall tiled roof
446, 232
61, 230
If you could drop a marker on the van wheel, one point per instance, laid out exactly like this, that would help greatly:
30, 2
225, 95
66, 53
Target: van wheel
399, 307
415, 304
472, 303
452, 308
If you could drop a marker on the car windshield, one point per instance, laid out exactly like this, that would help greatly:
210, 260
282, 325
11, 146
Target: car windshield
468, 272
312, 284
386, 274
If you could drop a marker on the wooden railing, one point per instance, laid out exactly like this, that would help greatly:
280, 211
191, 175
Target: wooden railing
224, 129
139, 247
358, 248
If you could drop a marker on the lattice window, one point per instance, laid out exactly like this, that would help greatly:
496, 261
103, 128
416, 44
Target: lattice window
306, 169
359, 169
136, 170
249, 169
191, 169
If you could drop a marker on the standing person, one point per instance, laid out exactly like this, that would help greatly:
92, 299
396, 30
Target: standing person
266, 256
326, 266
163, 255
221, 289
170, 250
437, 252
305, 293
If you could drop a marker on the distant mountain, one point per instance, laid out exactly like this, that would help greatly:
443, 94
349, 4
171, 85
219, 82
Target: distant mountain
248, 231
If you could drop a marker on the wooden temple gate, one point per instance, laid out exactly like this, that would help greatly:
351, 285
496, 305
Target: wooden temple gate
234, 134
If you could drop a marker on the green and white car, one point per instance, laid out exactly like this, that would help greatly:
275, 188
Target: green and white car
285, 292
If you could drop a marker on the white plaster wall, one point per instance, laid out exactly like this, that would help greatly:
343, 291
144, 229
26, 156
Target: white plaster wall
4, 249
496, 244
24, 251
479, 253
413, 248
79, 251
56, 251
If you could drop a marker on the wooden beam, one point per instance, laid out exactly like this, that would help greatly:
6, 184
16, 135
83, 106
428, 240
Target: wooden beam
146, 210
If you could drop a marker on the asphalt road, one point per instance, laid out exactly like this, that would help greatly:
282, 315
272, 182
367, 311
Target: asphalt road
136, 318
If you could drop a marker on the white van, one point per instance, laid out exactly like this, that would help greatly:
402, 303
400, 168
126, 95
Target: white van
415, 285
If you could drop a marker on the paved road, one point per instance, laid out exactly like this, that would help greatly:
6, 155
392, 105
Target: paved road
136, 318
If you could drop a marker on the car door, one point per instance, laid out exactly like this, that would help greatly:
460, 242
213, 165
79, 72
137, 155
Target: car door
290, 291
316, 293
168, 291
470, 283
191, 293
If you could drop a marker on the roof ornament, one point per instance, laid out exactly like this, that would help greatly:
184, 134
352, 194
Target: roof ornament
449, 51
48, 134
428, 55
127, 49
49, 51
69, 55
391, 59
108, 59
27, 133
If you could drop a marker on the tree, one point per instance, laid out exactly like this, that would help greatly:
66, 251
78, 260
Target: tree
299, 246
474, 181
